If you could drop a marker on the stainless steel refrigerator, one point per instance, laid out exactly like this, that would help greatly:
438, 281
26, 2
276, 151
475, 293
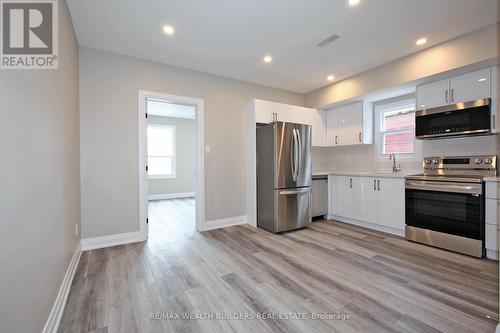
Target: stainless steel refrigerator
284, 176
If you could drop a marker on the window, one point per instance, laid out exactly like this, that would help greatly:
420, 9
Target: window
397, 128
161, 151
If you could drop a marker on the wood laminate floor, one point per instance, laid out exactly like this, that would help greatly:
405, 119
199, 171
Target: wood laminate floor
380, 283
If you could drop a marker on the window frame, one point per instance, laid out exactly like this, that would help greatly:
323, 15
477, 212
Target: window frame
382, 108
172, 175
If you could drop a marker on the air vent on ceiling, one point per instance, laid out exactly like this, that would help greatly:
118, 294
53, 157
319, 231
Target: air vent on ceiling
328, 40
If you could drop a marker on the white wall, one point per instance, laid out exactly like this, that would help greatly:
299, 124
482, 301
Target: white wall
185, 158
109, 85
40, 189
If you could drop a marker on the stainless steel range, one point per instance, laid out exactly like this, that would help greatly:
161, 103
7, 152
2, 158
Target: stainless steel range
445, 205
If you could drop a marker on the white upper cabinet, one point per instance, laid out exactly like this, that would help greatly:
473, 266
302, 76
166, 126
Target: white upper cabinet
462, 88
495, 96
332, 127
471, 86
339, 126
287, 113
345, 125
433, 94
315, 118
264, 111
350, 123
318, 123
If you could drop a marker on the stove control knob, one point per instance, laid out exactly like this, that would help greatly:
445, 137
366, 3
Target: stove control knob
478, 161
435, 161
488, 161
428, 161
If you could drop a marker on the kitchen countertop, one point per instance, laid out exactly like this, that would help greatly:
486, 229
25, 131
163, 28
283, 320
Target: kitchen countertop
488, 179
380, 174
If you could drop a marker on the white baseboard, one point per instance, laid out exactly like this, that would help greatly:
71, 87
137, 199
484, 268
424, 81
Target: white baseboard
112, 240
152, 197
56, 313
223, 223
368, 225
492, 254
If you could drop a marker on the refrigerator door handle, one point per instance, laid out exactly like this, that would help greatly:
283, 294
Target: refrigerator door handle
299, 153
293, 159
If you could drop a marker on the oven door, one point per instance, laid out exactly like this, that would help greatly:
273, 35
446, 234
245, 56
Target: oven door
446, 207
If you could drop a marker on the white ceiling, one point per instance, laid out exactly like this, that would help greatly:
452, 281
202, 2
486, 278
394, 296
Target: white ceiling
166, 109
230, 37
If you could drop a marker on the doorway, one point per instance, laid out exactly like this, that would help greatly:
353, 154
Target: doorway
171, 164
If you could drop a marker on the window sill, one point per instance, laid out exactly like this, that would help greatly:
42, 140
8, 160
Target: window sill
161, 176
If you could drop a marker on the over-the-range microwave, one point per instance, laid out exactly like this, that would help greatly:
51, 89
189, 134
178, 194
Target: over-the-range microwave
461, 119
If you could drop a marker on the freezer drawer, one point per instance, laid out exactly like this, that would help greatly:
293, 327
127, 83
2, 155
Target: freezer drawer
319, 197
293, 208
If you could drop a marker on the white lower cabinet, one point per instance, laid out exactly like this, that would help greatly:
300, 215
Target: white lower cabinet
492, 210
374, 200
491, 243
492, 214
366, 200
342, 195
391, 203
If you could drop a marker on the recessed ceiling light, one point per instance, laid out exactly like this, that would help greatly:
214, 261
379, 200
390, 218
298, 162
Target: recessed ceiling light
354, 2
168, 29
481, 79
268, 59
330, 77
421, 41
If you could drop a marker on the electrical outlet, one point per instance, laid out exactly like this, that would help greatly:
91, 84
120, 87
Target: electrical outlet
76, 230
208, 149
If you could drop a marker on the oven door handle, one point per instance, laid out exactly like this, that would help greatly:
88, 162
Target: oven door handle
466, 188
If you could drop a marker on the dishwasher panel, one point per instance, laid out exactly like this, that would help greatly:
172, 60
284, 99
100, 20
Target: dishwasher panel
319, 196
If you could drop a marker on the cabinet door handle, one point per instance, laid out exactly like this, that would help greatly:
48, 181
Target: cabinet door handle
336, 141
360, 137
275, 117
374, 184
378, 184
350, 182
493, 125
452, 93
446, 96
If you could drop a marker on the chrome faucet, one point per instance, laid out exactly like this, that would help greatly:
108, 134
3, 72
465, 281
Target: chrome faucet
395, 168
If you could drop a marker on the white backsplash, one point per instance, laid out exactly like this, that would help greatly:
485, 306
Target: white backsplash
319, 157
365, 157
479, 145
